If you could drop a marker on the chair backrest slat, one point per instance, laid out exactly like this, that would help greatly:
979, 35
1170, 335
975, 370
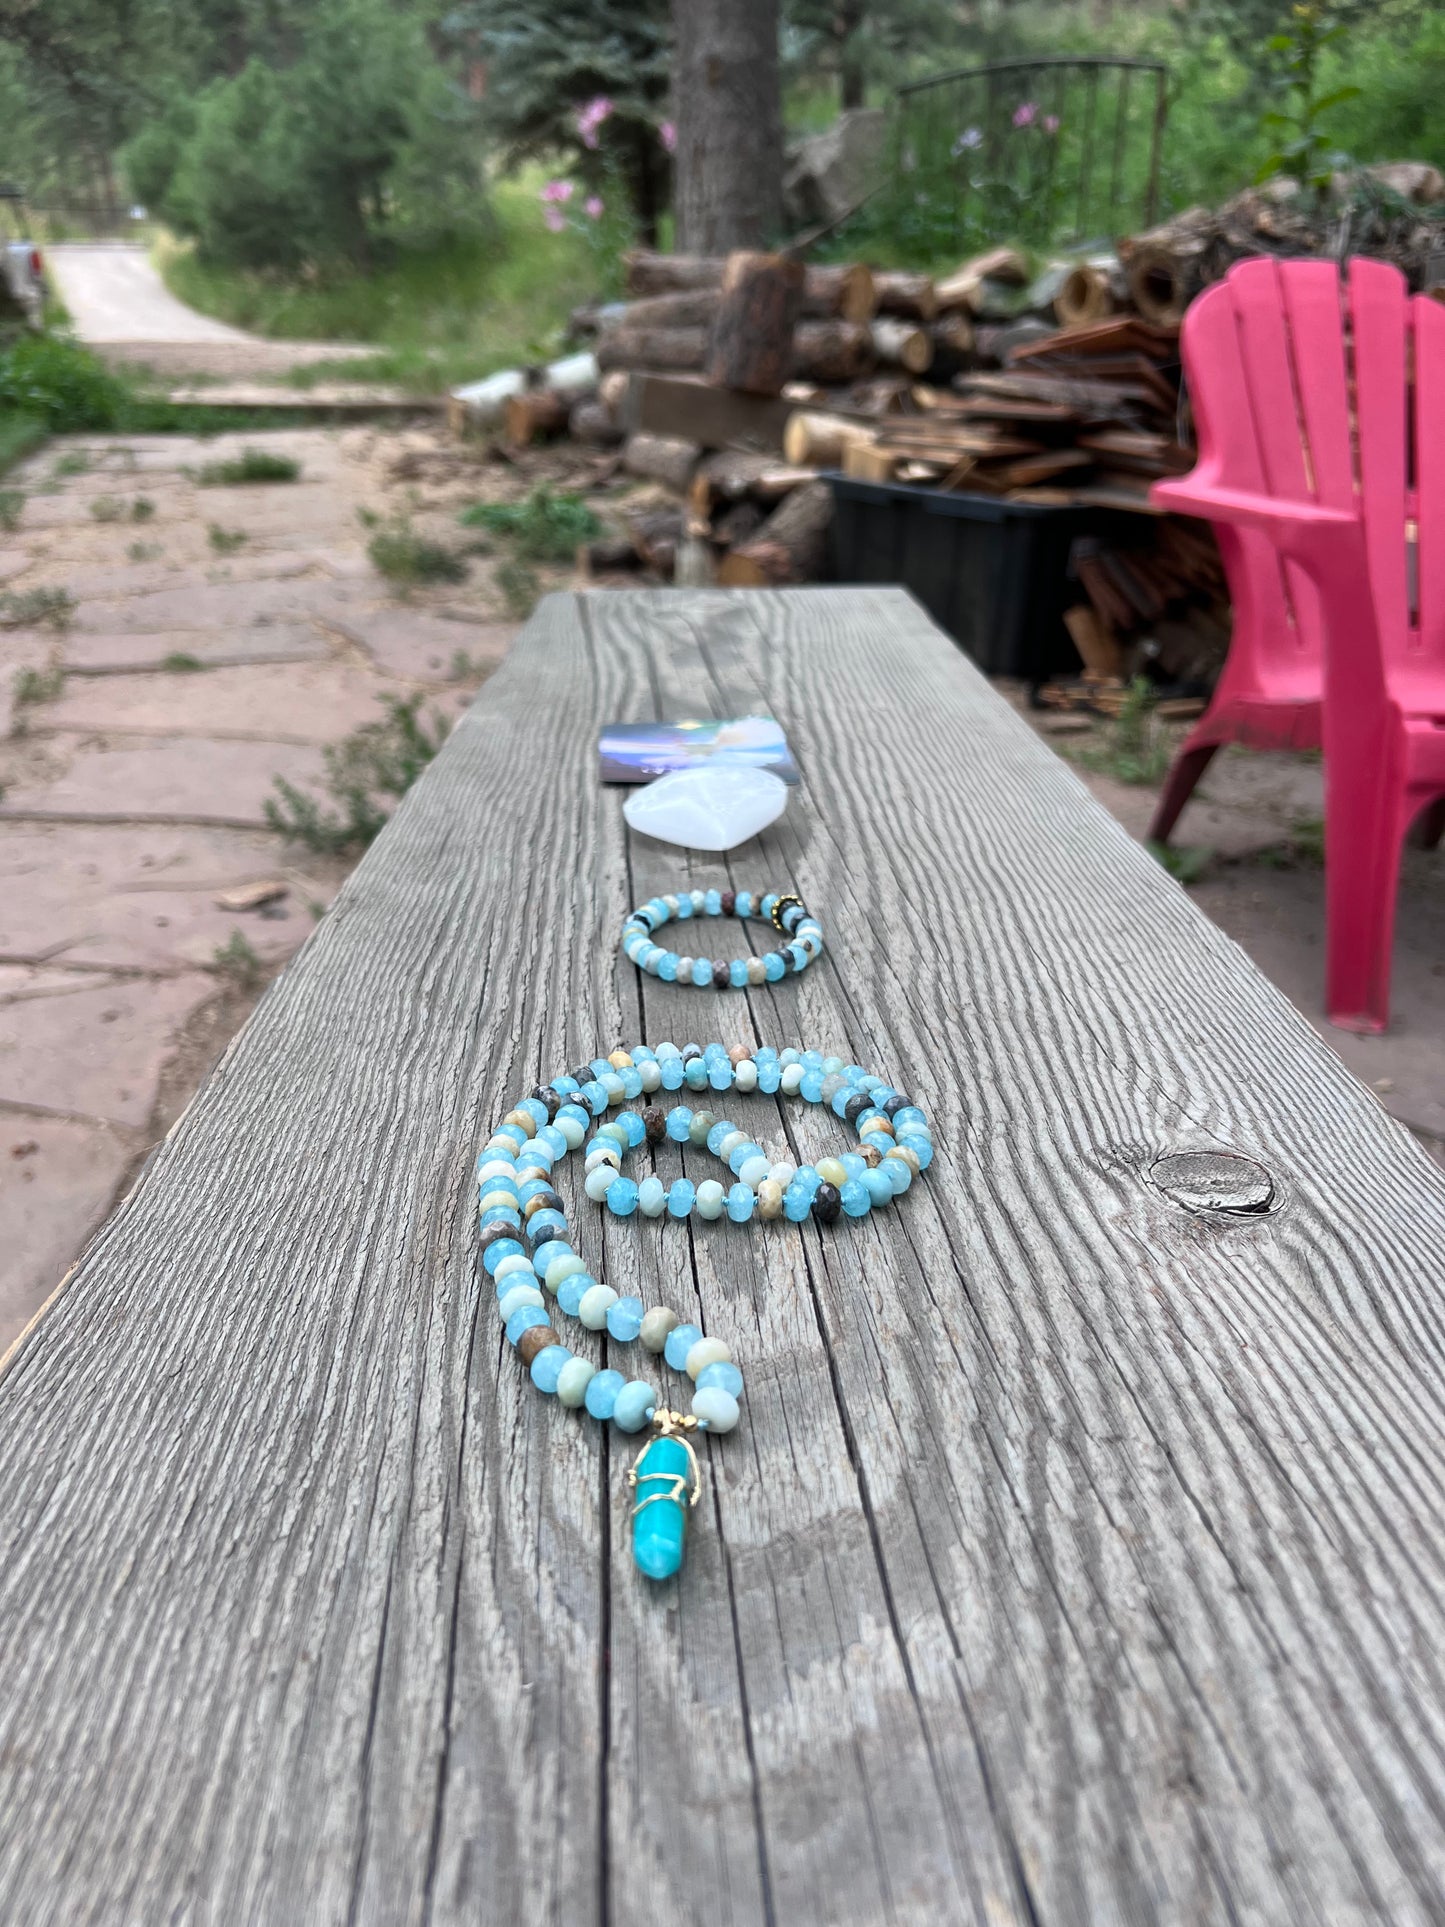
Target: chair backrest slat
1379, 311
1429, 319
1312, 302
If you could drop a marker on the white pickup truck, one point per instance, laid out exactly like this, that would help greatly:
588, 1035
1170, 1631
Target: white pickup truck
22, 269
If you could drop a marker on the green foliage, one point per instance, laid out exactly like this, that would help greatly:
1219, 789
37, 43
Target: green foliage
36, 609
1136, 750
143, 551
401, 555
519, 586
237, 960
542, 528
1302, 150
225, 541
12, 501
19, 434
251, 465
328, 154
377, 763
74, 462
178, 663
142, 509
107, 508
53, 379
38, 686
1185, 862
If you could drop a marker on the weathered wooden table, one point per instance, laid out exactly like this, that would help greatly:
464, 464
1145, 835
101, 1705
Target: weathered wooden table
1082, 1554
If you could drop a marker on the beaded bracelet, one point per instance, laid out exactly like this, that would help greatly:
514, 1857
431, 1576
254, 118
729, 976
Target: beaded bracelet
520, 1208
787, 913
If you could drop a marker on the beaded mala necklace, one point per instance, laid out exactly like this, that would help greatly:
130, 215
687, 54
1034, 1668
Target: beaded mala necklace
526, 1250
787, 914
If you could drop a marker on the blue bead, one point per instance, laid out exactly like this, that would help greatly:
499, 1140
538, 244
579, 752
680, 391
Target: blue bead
514, 1132
712, 902
724, 1375
547, 1367
631, 1081
667, 971
624, 1319
601, 1396
536, 1152
811, 1088
764, 1054
723, 1128
769, 1077
741, 1155
796, 1204
545, 1253
564, 1086
499, 1214
534, 1107
679, 1122
503, 1248
622, 1197
570, 1291
920, 1146
671, 1066
898, 1172
807, 1179
595, 1096
744, 905
811, 1060
741, 1203
702, 971
544, 1224
738, 972
908, 1114
680, 1341
831, 1066
879, 1186
694, 1074
684, 906
554, 1140
523, 1320
641, 1054
841, 1100
636, 1403
855, 1199
680, 1197
773, 966
531, 1188
853, 1164
721, 1077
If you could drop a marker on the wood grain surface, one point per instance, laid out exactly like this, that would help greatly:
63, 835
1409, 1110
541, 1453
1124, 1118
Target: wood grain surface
1081, 1556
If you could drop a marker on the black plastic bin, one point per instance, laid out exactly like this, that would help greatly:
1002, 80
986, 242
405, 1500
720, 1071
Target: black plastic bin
994, 574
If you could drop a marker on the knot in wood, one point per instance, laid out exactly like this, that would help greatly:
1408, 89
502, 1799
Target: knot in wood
1213, 1181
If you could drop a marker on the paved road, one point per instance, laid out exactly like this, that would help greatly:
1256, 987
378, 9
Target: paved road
114, 295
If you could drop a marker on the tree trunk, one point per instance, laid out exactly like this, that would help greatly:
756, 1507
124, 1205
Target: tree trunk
729, 162
831, 351
752, 330
657, 348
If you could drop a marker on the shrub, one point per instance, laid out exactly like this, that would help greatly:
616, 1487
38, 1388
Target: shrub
251, 465
542, 528
52, 378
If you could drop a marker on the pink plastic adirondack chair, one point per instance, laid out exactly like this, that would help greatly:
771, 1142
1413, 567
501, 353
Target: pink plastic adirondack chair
1320, 410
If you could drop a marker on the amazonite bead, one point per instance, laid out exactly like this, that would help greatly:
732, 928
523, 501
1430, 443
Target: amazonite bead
831, 1171
652, 1197
518, 1296
572, 1381
561, 1269
595, 1306
724, 1376
601, 1395
753, 1172
599, 1181
716, 1409
707, 1351
636, 1403
680, 1341
745, 1075
655, 1327
547, 1367
791, 1081
519, 1262
710, 1195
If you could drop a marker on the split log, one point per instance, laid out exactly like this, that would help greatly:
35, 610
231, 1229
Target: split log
751, 344
999, 264
845, 291
953, 345
734, 473
1169, 265
686, 308
660, 348
831, 351
1091, 291
480, 406
868, 461
612, 392
688, 409
906, 294
657, 459
901, 346
572, 378
534, 416
591, 421
738, 523
819, 440
791, 546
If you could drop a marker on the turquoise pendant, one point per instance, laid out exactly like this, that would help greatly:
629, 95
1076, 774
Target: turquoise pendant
667, 1483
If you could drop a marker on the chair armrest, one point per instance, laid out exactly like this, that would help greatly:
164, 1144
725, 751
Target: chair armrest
1301, 530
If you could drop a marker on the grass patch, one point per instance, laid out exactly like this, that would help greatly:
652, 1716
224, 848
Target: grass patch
401, 555
436, 317
519, 585
226, 541
36, 609
545, 527
237, 960
1186, 862
107, 508
33, 686
143, 551
74, 462
142, 509
1136, 749
250, 466
375, 765
178, 663
12, 501
20, 433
